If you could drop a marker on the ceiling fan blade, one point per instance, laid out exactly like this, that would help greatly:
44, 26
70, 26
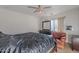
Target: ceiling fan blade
46, 7
32, 7
35, 11
38, 11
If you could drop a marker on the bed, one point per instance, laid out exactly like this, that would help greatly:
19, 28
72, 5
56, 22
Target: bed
26, 43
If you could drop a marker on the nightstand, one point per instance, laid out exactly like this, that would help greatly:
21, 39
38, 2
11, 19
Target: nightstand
45, 31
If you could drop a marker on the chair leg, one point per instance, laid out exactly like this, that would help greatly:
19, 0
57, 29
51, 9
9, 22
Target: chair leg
55, 49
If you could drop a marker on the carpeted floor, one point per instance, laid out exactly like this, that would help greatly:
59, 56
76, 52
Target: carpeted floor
67, 49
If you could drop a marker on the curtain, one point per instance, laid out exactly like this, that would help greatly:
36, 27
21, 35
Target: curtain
61, 24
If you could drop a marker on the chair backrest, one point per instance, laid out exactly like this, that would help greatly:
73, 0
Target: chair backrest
58, 35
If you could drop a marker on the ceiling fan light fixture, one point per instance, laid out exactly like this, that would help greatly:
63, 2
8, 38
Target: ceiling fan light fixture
39, 13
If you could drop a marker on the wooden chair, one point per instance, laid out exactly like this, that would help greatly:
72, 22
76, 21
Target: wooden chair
60, 38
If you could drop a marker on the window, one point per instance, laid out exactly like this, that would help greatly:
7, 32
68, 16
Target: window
54, 25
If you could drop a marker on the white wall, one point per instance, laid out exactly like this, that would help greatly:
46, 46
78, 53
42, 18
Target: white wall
12, 22
71, 18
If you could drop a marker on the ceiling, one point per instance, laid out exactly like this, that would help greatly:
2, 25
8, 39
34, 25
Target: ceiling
55, 9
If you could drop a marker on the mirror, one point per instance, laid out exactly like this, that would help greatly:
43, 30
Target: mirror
46, 25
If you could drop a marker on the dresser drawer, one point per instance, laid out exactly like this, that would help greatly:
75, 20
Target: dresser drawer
75, 44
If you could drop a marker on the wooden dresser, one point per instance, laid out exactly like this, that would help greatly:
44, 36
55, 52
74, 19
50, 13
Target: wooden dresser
60, 38
75, 42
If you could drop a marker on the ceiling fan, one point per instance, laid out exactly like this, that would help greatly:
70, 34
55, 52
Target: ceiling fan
39, 8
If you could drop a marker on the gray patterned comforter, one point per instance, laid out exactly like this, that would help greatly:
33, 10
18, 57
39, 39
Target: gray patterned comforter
25, 43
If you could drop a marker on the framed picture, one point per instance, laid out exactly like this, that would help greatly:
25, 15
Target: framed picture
68, 27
